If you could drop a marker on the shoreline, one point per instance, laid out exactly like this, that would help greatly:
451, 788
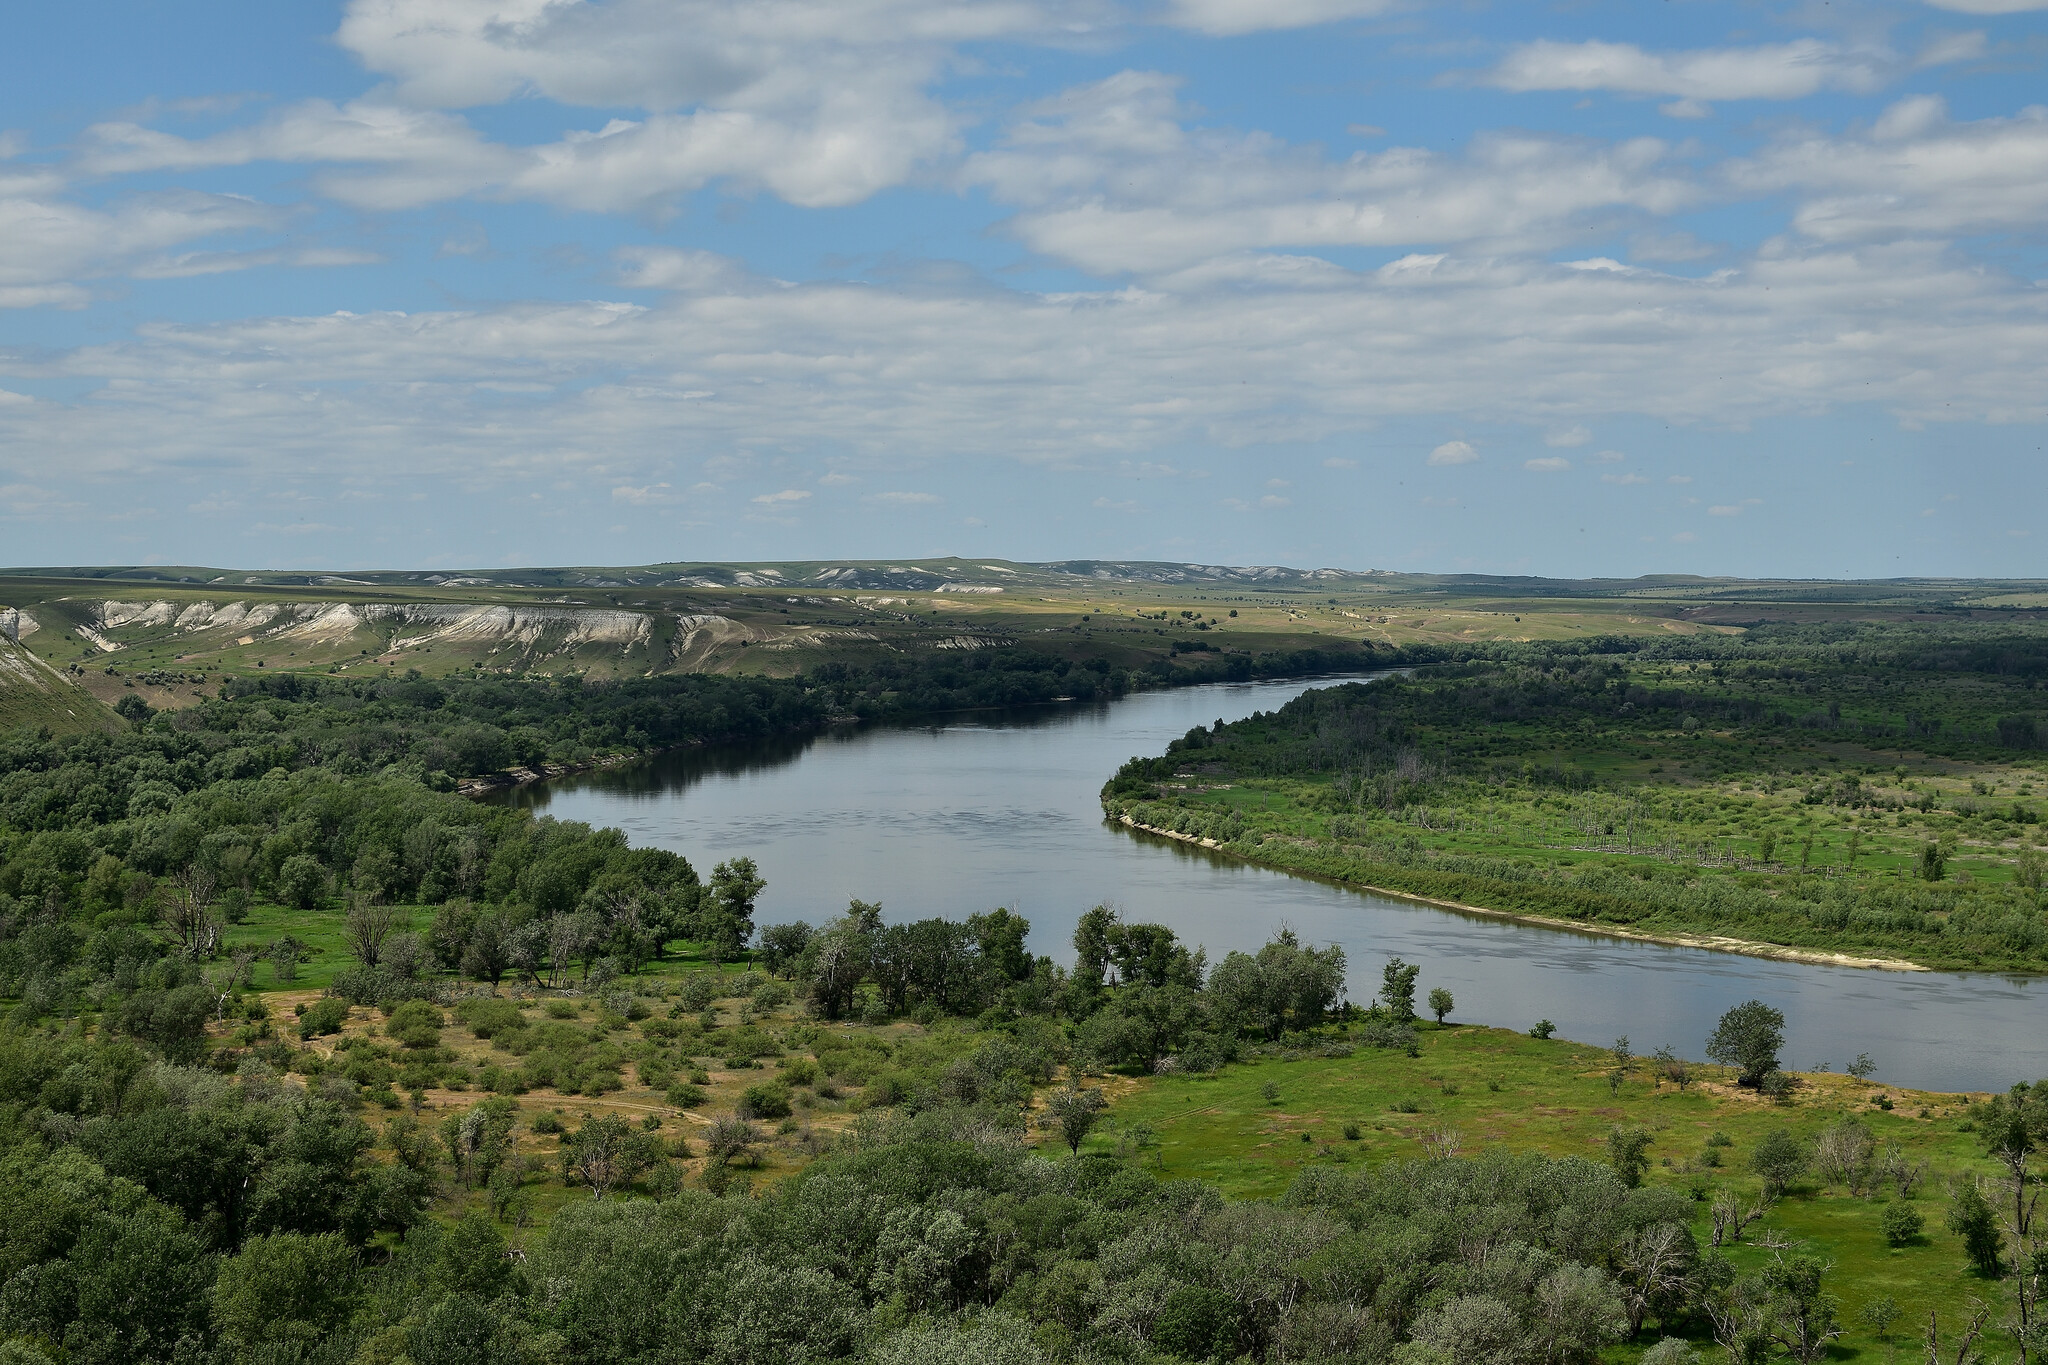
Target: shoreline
1718, 943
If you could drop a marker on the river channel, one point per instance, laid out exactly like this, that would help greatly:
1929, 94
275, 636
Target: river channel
999, 808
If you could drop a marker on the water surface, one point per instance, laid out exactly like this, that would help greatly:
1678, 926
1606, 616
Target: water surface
1000, 808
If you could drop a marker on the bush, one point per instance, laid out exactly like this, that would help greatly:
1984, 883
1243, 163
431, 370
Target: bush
547, 1121
322, 1017
416, 1024
800, 1071
685, 1095
1543, 1029
1901, 1223
769, 1100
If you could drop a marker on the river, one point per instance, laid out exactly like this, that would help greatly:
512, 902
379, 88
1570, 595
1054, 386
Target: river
1000, 808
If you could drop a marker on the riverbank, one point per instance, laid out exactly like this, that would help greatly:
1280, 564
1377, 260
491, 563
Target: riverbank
1713, 942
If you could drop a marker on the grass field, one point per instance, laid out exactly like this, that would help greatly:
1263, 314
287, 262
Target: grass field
1496, 1089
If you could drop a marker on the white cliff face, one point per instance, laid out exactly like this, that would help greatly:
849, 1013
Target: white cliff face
410, 624
17, 625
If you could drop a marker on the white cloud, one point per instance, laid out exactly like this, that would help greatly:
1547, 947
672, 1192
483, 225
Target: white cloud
1112, 177
1116, 379
1339, 462
1623, 479
1609, 457
1272, 502
1577, 434
1678, 478
49, 244
906, 499
1229, 17
1777, 71
1548, 464
1913, 173
1725, 510
1990, 6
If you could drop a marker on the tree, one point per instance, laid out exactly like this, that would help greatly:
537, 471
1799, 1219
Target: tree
1073, 1111
782, 947
1397, 989
1440, 1003
1900, 1223
1628, 1153
301, 881
285, 1287
1780, 1159
1748, 1038
605, 1154
185, 903
1933, 862
1862, 1067
736, 884
367, 926
1970, 1218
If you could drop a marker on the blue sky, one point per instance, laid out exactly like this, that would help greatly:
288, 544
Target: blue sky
1579, 288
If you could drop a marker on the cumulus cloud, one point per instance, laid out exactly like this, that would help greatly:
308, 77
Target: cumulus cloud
1548, 464
784, 498
1453, 452
1577, 434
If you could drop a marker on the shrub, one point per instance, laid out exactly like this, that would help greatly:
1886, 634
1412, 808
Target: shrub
1543, 1029
489, 1016
800, 1071
322, 1017
685, 1095
416, 1024
547, 1121
1901, 1223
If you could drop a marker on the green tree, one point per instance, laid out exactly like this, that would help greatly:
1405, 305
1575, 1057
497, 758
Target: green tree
1748, 1038
1900, 1223
1970, 1218
286, 1287
1073, 1110
1440, 1003
735, 886
1397, 989
1628, 1153
1933, 862
1779, 1158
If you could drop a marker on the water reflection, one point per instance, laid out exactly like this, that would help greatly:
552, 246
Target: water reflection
999, 808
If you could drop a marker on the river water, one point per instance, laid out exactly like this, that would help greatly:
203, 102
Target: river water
1000, 808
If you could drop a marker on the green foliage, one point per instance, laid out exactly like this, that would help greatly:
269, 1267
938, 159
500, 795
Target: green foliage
1780, 1158
1628, 1153
1970, 1217
1748, 1038
285, 1287
1524, 784
1901, 1223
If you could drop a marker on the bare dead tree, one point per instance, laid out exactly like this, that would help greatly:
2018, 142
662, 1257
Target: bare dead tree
367, 926
185, 906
